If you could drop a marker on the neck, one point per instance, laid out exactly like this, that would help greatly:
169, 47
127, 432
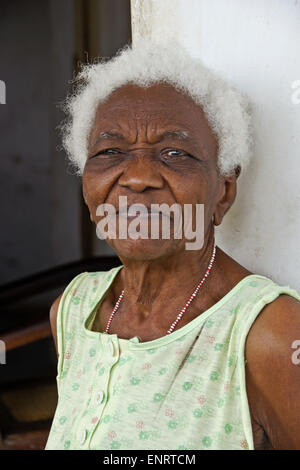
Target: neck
163, 285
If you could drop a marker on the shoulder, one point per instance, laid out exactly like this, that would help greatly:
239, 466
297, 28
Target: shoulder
75, 282
273, 371
275, 328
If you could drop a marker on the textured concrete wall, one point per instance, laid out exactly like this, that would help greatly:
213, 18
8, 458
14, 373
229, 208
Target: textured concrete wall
255, 45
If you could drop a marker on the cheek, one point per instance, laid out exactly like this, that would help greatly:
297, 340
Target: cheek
94, 191
198, 188
191, 190
99, 179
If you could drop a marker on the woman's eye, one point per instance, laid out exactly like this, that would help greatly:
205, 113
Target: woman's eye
174, 153
107, 152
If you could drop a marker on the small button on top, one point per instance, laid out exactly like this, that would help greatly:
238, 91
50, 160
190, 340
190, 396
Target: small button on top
99, 397
111, 348
83, 436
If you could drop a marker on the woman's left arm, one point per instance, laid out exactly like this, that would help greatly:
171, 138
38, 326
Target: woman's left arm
273, 366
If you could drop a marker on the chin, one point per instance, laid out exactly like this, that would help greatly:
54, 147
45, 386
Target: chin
143, 250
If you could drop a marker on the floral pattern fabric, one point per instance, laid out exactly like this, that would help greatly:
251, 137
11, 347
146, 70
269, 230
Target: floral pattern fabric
185, 390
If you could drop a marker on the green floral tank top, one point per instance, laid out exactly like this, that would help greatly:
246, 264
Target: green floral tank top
185, 390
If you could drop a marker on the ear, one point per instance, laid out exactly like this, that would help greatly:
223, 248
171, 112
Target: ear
226, 195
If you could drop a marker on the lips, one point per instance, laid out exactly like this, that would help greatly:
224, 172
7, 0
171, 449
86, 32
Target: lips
122, 211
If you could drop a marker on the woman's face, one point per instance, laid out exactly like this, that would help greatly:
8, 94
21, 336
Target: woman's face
153, 145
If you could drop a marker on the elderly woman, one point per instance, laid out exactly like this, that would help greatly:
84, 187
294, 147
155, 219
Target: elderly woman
176, 348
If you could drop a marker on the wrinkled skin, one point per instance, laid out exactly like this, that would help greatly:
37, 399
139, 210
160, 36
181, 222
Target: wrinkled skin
160, 275
142, 167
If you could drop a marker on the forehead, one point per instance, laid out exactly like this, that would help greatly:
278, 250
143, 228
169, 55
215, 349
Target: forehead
132, 108
157, 101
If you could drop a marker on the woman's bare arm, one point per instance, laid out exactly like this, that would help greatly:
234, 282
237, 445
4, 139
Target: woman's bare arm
53, 318
274, 372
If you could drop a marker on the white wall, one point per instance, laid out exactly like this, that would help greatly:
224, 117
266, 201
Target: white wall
255, 45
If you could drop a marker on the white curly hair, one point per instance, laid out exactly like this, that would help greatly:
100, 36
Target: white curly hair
145, 63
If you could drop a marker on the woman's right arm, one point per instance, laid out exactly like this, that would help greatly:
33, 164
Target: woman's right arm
53, 318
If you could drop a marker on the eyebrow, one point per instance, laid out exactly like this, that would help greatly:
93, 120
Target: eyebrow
177, 134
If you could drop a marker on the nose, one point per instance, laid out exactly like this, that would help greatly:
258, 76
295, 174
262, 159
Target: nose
140, 174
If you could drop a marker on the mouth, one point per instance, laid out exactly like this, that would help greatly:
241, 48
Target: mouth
150, 213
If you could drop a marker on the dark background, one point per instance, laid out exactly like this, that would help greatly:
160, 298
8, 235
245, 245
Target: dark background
41, 43
45, 224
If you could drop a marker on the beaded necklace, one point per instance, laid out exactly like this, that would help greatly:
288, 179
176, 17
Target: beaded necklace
173, 325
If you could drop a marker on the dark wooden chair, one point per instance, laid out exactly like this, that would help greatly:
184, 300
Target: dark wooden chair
28, 394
